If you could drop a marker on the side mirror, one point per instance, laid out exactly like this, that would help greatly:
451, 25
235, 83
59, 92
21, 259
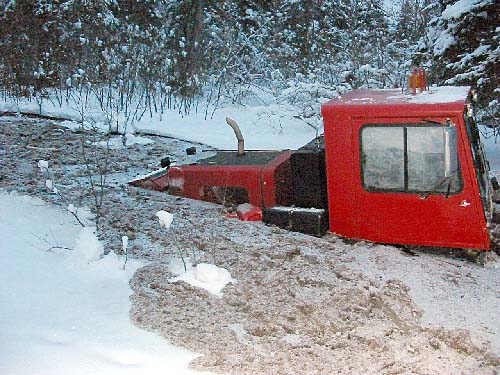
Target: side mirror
450, 150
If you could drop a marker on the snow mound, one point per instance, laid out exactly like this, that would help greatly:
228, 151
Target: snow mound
165, 219
206, 276
88, 247
57, 319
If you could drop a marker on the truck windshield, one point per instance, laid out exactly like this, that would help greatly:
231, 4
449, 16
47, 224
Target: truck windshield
409, 158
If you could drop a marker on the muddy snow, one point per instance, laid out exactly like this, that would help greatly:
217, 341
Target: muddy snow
297, 304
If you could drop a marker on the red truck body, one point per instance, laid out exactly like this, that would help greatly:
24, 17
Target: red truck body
384, 174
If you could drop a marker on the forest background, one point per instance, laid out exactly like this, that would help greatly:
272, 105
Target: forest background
138, 55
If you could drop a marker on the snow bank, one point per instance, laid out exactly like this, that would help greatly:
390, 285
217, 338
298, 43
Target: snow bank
273, 126
48, 108
58, 319
206, 276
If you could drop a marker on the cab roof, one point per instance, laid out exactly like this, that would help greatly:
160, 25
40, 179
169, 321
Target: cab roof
451, 97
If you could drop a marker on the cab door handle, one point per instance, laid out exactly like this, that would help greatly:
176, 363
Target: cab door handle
464, 203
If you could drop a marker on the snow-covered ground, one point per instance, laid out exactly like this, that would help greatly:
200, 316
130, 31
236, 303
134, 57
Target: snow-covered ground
66, 313
272, 126
59, 313
441, 287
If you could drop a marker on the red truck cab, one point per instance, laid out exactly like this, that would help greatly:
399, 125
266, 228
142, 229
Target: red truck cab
407, 168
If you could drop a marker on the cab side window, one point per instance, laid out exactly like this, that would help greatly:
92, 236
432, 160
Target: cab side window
410, 158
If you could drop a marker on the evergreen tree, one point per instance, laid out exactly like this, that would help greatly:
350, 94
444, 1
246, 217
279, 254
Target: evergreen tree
408, 32
364, 42
465, 48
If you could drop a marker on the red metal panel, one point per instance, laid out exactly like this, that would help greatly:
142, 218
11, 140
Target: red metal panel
196, 177
339, 162
412, 219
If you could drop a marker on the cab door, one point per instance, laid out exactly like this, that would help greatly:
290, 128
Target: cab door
408, 192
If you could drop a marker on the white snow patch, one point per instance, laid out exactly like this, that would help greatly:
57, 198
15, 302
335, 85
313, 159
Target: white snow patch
130, 140
57, 319
49, 184
302, 209
136, 140
165, 219
444, 41
273, 126
240, 332
363, 99
156, 173
245, 208
88, 247
292, 339
435, 95
124, 244
43, 165
461, 7
178, 266
206, 276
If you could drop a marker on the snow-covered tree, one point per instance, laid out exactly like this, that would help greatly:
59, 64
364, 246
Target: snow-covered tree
159, 53
465, 48
407, 32
364, 42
